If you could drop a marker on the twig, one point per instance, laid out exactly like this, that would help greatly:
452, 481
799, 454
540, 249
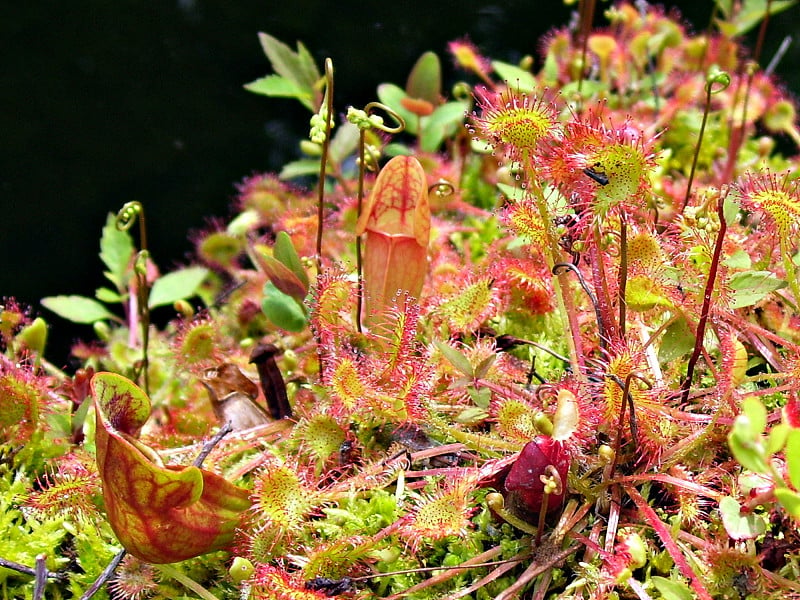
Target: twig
209, 445
41, 577
19, 568
105, 575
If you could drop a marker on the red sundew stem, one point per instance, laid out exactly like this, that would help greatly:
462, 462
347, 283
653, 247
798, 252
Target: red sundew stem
762, 33
622, 280
705, 311
737, 133
697, 149
607, 328
666, 538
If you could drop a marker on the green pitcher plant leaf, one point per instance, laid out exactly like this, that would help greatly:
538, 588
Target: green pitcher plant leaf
160, 513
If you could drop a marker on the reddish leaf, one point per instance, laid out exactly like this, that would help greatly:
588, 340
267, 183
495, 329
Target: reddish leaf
159, 513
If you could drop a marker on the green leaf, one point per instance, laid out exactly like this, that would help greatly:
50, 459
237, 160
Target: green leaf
677, 341
790, 500
300, 168
672, 590
739, 526
177, 285
281, 276
441, 123
751, 286
283, 310
298, 67
481, 398
750, 14
344, 143
793, 457
739, 260
278, 87
730, 209
116, 250
458, 360
391, 95
108, 295
285, 252
425, 80
748, 453
34, 336
776, 439
745, 438
516, 78
756, 415
78, 309
483, 367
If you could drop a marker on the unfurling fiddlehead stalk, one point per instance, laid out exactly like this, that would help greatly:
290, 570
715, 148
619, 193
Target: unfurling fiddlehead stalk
126, 217
364, 120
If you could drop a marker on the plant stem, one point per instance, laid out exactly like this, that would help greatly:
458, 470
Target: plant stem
709, 290
362, 137
622, 278
185, 581
323, 165
561, 284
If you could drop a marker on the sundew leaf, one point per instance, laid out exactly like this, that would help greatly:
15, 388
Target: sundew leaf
752, 286
177, 285
78, 309
116, 250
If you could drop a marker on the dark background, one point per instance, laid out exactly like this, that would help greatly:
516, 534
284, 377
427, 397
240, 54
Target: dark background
106, 102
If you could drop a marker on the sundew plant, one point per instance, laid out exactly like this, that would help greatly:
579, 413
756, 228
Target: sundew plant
534, 335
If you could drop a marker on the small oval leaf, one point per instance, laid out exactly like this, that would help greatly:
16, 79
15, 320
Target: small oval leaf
78, 309
177, 285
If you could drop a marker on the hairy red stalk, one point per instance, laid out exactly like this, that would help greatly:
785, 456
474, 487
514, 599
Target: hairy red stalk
706, 310
664, 535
